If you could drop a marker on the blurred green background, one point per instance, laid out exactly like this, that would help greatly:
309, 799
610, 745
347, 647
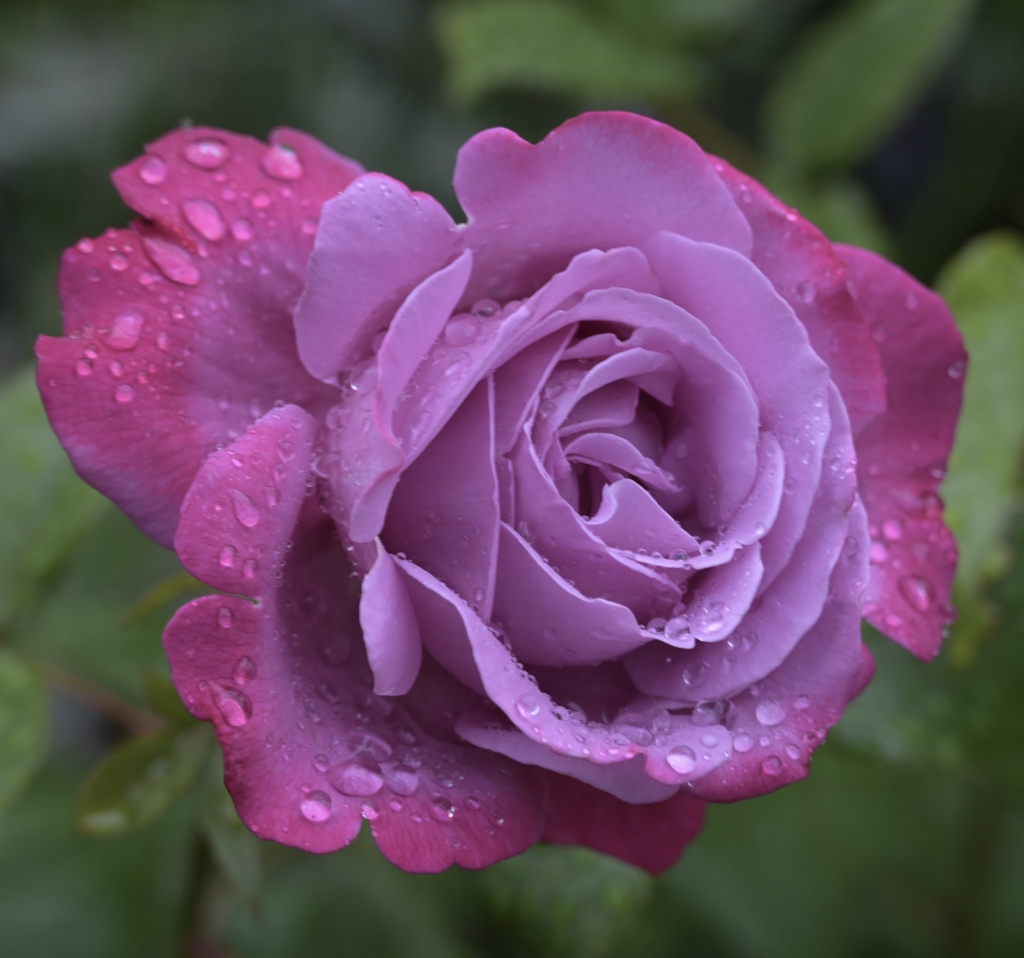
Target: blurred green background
894, 124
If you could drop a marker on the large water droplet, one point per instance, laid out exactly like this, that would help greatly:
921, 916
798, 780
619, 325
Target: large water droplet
357, 778
244, 671
172, 261
528, 706
917, 592
316, 807
742, 743
246, 511
682, 759
205, 219
228, 557
442, 809
209, 154
770, 712
125, 330
232, 704
282, 163
152, 171
83, 367
402, 779
461, 330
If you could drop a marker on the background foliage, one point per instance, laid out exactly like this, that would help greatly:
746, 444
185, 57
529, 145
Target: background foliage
895, 124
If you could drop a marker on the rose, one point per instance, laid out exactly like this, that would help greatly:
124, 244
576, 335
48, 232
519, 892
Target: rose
553, 525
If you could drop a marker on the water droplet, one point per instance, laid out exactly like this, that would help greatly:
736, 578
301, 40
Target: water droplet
402, 779
879, 552
261, 199
205, 219
84, 367
152, 170
917, 592
225, 617
357, 778
461, 330
801, 702
956, 370
485, 308
242, 230
124, 393
742, 743
771, 766
244, 671
373, 746
682, 759
316, 807
119, 262
249, 568
807, 292
892, 529
125, 330
528, 706
172, 261
369, 811
233, 705
793, 752
246, 511
473, 804
442, 809
282, 163
770, 712
116, 369
309, 226
228, 557
209, 154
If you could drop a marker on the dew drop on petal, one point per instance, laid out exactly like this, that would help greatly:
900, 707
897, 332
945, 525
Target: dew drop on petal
125, 330
84, 367
209, 154
246, 511
402, 779
917, 592
233, 705
316, 807
172, 261
282, 163
228, 557
461, 330
771, 766
244, 671
152, 171
742, 743
225, 617
124, 394
770, 712
528, 706
956, 370
242, 230
682, 759
442, 809
357, 778
205, 219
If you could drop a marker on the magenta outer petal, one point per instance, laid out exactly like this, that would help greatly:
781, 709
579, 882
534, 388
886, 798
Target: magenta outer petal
903, 454
309, 750
376, 242
777, 722
648, 836
803, 267
177, 331
599, 181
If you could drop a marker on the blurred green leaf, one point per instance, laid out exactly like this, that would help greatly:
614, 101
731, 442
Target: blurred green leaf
568, 902
45, 509
552, 46
854, 74
64, 894
81, 627
360, 904
141, 779
984, 286
23, 721
694, 23
163, 697
235, 849
176, 587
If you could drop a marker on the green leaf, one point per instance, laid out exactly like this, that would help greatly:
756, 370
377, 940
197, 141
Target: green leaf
984, 286
694, 23
23, 721
551, 47
65, 894
235, 849
163, 697
855, 74
82, 627
141, 779
568, 902
45, 509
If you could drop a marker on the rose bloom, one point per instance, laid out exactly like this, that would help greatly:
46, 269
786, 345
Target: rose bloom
550, 526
